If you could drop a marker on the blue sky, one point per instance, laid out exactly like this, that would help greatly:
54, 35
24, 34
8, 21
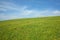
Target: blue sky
12, 9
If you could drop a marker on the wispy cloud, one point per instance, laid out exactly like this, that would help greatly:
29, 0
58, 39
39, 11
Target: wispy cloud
10, 10
56, 12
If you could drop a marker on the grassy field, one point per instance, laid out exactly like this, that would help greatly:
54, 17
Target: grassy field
44, 28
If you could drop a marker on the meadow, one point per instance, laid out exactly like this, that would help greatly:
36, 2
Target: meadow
43, 28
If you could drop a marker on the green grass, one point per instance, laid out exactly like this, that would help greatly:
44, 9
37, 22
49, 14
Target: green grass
44, 28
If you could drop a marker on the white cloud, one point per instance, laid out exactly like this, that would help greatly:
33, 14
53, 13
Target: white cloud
56, 12
8, 6
27, 12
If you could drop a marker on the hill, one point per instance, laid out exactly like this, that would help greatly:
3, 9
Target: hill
44, 28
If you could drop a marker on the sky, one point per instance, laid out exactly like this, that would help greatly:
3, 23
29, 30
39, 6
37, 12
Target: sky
12, 9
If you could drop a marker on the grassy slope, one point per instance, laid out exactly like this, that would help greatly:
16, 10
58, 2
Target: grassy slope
47, 28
